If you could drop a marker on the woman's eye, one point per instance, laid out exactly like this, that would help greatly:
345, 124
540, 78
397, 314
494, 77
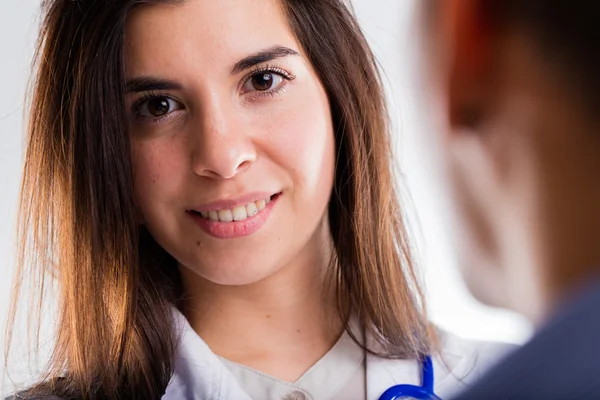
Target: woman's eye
157, 107
263, 82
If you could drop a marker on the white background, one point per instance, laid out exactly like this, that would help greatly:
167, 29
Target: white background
390, 28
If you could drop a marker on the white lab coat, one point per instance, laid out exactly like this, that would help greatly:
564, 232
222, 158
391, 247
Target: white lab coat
201, 375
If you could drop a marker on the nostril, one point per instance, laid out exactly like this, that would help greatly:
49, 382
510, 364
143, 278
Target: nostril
211, 174
222, 165
243, 166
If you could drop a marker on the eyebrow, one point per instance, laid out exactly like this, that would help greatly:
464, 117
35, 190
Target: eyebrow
150, 84
261, 57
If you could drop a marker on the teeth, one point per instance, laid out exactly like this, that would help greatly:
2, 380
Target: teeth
239, 213
225, 216
252, 209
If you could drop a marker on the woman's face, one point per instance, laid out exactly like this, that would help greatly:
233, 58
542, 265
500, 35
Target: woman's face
232, 138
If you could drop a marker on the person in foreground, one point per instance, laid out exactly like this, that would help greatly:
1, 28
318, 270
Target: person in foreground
209, 185
520, 92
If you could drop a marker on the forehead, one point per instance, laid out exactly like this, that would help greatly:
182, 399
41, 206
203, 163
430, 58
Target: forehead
200, 33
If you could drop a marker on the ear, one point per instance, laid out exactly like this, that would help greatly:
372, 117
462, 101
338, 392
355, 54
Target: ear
466, 33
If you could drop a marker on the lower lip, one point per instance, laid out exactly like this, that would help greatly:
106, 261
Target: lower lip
235, 229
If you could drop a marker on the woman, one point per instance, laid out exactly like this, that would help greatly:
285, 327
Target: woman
213, 182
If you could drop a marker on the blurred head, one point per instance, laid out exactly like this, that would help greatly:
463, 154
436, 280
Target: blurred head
517, 87
154, 124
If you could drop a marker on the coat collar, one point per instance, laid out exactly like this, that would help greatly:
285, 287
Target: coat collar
383, 373
456, 365
201, 375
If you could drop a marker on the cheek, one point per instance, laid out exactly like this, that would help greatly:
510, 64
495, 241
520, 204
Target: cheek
302, 142
158, 171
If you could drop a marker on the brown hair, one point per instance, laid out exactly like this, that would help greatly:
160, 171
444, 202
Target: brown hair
116, 285
566, 33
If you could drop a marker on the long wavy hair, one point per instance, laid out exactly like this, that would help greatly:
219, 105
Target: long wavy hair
116, 286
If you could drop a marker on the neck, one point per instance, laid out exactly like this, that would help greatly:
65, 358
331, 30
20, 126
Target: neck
545, 150
561, 210
289, 315
572, 254
561, 234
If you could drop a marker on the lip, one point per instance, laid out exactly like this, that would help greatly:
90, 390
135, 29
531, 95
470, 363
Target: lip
229, 204
234, 229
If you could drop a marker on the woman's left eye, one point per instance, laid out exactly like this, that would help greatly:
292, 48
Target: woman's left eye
267, 81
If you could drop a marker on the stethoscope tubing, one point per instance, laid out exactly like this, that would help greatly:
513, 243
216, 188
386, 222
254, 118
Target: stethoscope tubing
423, 392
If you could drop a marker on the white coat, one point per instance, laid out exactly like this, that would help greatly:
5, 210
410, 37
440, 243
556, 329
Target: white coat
201, 375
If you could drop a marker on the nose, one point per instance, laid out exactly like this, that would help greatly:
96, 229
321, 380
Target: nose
222, 147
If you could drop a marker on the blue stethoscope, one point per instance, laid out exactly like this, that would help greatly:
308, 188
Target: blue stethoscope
423, 392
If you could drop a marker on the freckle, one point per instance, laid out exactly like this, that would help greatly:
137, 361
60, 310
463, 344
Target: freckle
298, 331
268, 316
153, 180
198, 244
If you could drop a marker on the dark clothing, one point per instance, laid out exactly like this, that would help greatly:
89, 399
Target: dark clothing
561, 362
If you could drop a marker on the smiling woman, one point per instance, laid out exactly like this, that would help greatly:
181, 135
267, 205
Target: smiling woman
210, 184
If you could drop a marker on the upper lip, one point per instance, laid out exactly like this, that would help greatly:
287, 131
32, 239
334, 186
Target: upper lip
228, 204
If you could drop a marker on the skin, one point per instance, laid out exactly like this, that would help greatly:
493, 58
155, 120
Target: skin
523, 175
257, 300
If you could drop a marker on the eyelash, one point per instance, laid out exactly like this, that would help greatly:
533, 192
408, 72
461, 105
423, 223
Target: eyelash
146, 98
288, 76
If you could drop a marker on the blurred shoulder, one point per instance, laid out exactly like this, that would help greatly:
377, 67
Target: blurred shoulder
36, 397
46, 390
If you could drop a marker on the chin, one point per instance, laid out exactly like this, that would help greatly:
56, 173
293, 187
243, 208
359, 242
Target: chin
230, 273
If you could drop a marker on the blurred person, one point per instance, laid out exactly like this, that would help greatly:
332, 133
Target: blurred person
210, 186
518, 86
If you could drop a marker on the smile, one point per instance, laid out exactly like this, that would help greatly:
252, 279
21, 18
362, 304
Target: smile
239, 213
234, 219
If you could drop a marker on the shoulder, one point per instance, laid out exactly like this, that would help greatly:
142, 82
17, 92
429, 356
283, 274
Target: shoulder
460, 362
472, 354
44, 390
25, 397
560, 361
456, 364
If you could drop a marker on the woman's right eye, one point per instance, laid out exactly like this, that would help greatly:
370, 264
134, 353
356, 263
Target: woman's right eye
156, 107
